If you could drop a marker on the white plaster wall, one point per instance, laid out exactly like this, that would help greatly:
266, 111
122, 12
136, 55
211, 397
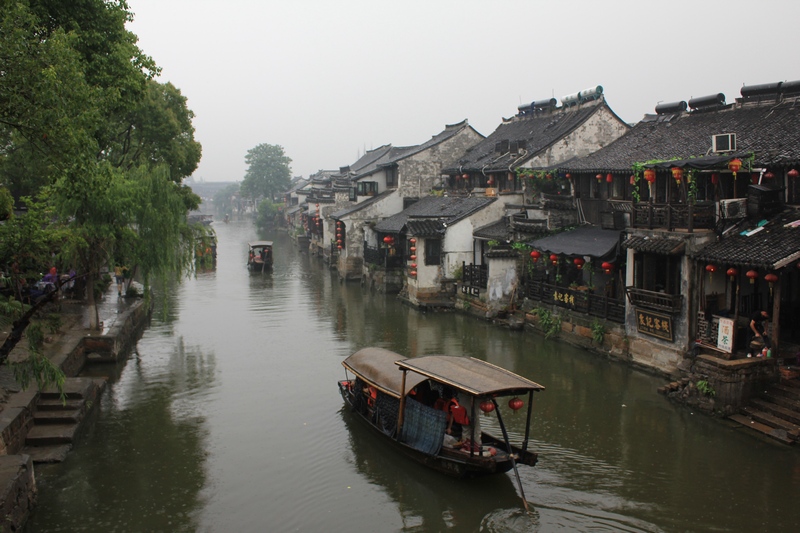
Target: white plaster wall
502, 280
598, 131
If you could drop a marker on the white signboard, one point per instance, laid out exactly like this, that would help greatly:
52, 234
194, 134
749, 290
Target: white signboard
725, 335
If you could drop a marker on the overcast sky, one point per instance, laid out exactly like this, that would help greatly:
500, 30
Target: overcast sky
328, 79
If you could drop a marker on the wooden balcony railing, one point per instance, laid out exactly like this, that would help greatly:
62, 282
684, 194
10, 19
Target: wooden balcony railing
668, 216
658, 301
475, 275
581, 301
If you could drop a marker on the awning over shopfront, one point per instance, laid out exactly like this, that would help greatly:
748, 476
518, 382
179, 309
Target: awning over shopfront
591, 241
769, 245
701, 163
655, 245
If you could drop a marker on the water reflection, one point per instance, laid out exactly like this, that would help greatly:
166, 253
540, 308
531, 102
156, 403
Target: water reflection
142, 466
425, 499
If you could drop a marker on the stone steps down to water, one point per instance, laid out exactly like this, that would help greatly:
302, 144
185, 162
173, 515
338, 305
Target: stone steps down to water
776, 413
57, 422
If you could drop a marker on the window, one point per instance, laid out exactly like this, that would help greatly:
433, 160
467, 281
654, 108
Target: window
353, 197
433, 251
367, 188
657, 273
391, 177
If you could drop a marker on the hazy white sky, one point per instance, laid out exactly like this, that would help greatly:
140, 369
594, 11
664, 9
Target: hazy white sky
328, 79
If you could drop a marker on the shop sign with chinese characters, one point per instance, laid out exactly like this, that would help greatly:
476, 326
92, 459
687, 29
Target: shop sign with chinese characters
725, 335
654, 324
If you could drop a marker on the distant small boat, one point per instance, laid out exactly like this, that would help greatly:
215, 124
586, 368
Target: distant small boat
430, 407
259, 257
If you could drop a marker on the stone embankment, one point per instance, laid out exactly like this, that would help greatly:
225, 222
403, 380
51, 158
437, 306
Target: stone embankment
38, 426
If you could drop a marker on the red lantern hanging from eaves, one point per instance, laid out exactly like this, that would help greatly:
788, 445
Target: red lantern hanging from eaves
677, 173
732, 273
579, 261
711, 269
769, 175
771, 278
650, 175
714, 178
388, 239
793, 173
554, 259
609, 178
535, 255
752, 274
607, 267
599, 177
412, 240
734, 165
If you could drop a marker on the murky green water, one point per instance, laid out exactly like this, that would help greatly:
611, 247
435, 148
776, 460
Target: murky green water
227, 418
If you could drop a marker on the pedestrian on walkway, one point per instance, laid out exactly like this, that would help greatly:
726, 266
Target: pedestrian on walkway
119, 278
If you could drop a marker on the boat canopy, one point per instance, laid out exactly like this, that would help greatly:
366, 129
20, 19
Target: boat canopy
377, 367
261, 244
469, 375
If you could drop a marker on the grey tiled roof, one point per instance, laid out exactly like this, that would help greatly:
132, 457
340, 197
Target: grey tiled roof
538, 131
361, 205
771, 131
497, 231
587, 240
654, 245
426, 227
447, 209
774, 247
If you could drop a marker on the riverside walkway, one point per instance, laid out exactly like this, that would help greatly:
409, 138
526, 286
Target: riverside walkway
37, 426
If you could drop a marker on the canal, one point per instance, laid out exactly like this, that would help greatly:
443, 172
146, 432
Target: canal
227, 417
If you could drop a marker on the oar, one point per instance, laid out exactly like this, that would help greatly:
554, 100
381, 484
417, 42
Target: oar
511, 455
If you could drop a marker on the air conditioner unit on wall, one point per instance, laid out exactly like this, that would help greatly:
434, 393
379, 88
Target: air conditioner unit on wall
733, 208
724, 142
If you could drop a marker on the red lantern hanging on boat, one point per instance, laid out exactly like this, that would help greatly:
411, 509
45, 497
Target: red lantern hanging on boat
609, 178
650, 175
554, 259
732, 273
752, 274
607, 267
579, 261
714, 178
677, 173
793, 173
515, 404
535, 255
487, 406
771, 278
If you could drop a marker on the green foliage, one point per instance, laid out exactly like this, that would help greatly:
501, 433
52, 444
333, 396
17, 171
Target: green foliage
268, 213
458, 273
268, 173
706, 389
549, 322
547, 181
222, 200
36, 367
598, 332
6, 203
493, 243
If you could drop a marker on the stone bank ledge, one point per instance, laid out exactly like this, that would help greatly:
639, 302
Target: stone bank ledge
70, 350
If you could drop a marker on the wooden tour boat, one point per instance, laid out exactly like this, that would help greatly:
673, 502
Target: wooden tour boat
259, 258
430, 408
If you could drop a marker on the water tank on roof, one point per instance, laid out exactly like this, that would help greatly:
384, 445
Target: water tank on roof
761, 90
525, 108
544, 104
591, 94
707, 101
790, 87
671, 107
571, 99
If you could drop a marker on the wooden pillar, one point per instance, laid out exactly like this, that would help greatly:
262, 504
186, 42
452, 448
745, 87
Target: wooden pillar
776, 315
